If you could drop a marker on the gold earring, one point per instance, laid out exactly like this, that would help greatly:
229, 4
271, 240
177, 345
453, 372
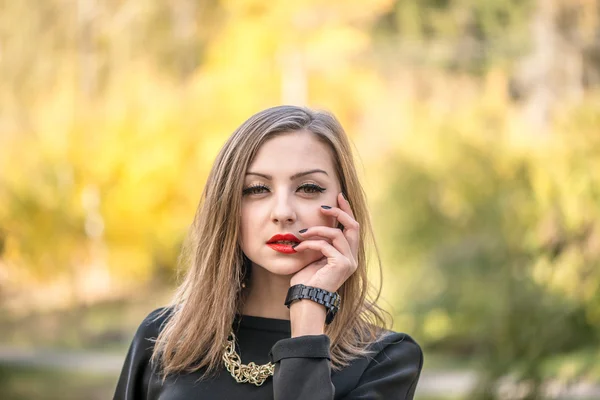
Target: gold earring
243, 285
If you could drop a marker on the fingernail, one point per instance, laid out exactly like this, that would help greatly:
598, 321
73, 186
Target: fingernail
303, 230
344, 196
294, 246
326, 207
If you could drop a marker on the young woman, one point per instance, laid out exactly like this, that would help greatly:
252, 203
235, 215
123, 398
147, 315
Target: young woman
275, 303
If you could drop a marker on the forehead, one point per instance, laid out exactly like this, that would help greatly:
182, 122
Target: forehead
293, 152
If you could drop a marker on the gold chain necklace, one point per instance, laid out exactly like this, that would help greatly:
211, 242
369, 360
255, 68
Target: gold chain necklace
251, 373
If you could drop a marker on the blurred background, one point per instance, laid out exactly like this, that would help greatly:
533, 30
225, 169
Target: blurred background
476, 126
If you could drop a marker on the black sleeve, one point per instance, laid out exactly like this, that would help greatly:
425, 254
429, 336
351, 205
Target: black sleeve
393, 373
303, 369
135, 374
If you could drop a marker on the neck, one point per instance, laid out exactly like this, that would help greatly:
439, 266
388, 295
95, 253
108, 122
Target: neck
266, 295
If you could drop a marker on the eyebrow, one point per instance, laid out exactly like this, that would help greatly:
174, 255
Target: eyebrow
295, 176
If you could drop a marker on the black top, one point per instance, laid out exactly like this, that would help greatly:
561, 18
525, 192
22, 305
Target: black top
302, 367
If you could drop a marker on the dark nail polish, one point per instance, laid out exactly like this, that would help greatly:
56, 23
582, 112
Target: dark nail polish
326, 207
296, 245
303, 230
344, 196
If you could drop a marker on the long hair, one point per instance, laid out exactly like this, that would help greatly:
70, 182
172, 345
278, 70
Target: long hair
204, 306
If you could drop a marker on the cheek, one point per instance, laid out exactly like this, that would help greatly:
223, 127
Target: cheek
328, 221
317, 218
251, 222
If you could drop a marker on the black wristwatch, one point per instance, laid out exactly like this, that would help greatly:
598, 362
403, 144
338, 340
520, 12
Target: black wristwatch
330, 300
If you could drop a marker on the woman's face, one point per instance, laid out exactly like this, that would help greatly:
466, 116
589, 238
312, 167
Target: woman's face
278, 198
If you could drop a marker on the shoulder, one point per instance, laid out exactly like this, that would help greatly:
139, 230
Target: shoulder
388, 338
397, 348
392, 369
152, 324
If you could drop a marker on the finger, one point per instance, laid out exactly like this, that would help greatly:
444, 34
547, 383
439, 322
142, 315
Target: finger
343, 214
338, 240
345, 205
320, 245
350, 225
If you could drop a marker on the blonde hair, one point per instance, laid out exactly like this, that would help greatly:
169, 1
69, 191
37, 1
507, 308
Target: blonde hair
204, 306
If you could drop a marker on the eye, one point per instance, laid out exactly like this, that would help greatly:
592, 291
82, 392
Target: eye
254, 189
308, 188
312, 188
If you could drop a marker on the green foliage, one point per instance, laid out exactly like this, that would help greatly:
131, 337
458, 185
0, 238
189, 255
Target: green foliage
502, 241
451, 19
465, 35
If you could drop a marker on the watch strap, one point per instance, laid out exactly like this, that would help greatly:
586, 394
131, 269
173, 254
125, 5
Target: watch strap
331, 300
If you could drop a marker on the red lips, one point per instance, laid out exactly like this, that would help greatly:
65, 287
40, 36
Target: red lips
280, 247
286, 236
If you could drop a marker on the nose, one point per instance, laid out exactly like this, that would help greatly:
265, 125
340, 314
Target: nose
283, 210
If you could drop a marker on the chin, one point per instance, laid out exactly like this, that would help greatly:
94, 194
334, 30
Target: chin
282, 264
285, 268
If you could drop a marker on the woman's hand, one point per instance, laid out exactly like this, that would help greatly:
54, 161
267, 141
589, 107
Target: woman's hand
340, 257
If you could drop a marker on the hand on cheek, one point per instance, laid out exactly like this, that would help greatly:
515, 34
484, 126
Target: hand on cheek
339, 249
